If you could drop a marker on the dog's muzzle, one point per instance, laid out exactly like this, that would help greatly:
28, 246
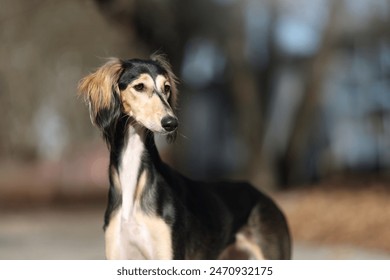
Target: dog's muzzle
169, 123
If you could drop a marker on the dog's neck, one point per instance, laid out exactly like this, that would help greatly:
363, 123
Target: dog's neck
133, 156
129, 168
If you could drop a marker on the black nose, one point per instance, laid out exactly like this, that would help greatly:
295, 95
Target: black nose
169, 123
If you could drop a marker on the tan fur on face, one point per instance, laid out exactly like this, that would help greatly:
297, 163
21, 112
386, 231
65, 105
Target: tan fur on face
145, 106
97, 87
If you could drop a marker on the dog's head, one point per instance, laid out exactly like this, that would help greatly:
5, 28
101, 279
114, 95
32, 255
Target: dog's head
143, 90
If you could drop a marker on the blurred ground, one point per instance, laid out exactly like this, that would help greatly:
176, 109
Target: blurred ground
349, 212
331, 222
56, 233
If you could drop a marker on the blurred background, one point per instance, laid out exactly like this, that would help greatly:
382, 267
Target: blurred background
291, 95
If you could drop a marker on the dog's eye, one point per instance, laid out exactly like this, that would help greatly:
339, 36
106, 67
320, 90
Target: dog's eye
139, 87
167, 88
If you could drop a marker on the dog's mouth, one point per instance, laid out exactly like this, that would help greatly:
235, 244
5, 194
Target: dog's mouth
171, 136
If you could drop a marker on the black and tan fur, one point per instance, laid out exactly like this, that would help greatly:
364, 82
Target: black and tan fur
153, 211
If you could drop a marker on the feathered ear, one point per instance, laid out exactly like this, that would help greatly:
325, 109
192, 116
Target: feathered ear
101, 93
163, 62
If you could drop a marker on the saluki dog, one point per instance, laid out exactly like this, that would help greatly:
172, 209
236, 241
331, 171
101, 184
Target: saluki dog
153, 211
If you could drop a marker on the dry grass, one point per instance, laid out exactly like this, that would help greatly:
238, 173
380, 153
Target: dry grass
353, 213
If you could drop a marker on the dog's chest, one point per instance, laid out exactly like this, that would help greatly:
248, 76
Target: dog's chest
141, 236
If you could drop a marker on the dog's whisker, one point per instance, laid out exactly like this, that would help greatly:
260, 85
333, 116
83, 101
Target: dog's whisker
183, 136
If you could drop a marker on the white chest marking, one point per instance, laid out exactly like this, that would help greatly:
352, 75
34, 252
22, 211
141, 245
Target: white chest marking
128, 171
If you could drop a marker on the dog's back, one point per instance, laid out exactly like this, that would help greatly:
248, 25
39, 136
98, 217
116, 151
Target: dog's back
227, 220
